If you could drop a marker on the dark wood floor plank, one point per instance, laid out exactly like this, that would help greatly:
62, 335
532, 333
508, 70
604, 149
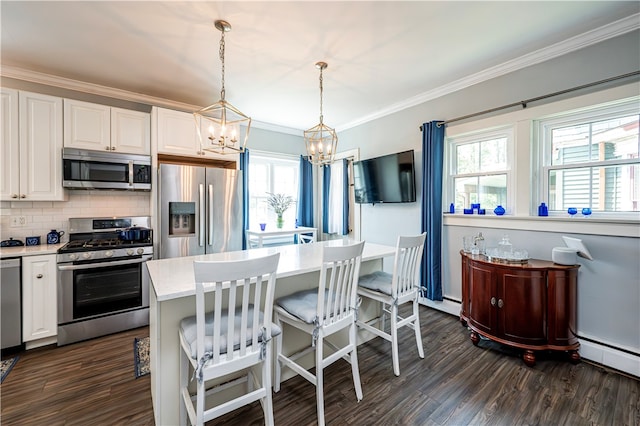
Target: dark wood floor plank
457, 383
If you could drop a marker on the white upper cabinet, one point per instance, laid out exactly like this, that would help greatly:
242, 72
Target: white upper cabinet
40, 147
177, 135
10, 145
103, 128
130, 131
87, 125
32, 149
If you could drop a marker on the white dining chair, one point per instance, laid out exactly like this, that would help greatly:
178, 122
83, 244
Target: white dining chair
306, 238
394, 290
234, 337
322, 312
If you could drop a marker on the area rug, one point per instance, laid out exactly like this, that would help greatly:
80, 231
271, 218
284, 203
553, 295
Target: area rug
141, 356
7, 365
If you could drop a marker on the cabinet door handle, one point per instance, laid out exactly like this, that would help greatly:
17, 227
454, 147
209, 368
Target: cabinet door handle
23, 196
493, 301
108, 148
500, 303
39, 276
14, 195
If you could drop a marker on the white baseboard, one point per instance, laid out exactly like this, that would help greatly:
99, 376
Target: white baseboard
610, 357
447, 306
592, 351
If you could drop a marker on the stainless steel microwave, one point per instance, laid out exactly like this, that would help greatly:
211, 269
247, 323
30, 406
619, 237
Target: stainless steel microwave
84, 169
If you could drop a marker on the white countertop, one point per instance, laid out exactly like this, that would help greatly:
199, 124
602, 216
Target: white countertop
6, 252
173, 278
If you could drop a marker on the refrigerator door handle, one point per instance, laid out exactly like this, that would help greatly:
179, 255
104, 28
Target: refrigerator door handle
202, 206
210, 216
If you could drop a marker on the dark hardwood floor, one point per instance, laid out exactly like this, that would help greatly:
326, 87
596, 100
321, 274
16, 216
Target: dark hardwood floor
92, 383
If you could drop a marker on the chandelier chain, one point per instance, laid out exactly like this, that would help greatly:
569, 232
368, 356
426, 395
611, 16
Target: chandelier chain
221, 53
320, 95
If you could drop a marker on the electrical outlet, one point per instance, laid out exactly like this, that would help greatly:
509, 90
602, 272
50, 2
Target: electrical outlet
17, 221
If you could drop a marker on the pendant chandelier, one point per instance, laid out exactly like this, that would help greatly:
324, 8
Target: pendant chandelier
221, 127
321, 140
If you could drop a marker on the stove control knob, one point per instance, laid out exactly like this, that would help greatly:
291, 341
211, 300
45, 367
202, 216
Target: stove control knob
108, 253
129, 252
86, 255
73, 257
140, 250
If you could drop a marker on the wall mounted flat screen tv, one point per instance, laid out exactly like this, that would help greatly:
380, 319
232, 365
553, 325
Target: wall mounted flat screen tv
386, 179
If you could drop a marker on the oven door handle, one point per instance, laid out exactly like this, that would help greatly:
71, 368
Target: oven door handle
94, 265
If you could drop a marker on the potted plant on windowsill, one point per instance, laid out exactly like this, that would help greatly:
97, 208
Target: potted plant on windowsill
279, 203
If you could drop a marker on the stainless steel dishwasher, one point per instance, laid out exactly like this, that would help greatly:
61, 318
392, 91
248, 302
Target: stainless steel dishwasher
11, 303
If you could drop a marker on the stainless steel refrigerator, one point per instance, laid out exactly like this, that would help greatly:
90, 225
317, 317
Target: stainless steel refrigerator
200, 210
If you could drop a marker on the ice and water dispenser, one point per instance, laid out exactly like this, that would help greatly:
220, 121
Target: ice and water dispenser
182, 218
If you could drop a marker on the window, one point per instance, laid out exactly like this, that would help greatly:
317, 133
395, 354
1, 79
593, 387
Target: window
271, 173
590, 159
481, 169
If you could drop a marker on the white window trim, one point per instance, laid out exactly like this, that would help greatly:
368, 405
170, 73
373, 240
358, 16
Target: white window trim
542, 136
272, 157
525, 168
474, 137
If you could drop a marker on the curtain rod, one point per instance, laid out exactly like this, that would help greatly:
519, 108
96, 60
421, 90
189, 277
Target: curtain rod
538, 98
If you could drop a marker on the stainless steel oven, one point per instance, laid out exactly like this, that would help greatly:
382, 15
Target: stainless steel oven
101, 285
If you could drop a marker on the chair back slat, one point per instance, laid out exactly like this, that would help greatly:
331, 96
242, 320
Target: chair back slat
231, 310
217, 329
407, 264
338, 282
238, 302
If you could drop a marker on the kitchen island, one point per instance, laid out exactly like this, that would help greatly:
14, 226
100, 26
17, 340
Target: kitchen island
172, 297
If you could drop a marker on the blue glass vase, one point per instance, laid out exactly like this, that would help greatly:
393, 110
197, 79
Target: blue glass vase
499, 210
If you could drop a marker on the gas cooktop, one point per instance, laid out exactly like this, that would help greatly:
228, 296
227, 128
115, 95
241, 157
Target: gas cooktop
101, 238
101, 244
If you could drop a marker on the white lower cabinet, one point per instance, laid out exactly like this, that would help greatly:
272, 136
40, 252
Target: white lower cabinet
39, 297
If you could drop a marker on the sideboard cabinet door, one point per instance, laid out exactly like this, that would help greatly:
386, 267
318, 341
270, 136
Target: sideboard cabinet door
522, 306
482, 298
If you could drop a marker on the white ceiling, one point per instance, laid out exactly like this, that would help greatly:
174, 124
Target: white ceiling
382, 56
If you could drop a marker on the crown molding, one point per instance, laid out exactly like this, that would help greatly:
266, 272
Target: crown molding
614, 29
597, 35
276, 128
125, 95
91, 88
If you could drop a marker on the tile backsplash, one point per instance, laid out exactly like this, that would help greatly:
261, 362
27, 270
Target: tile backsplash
40, 217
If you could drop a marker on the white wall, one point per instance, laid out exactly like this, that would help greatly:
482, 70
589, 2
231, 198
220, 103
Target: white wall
43, 216
609, 286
